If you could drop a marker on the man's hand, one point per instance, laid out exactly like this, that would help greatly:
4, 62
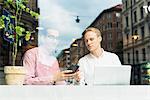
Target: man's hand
63, 75
77, 76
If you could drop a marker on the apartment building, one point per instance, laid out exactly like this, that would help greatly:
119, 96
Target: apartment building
136, 32
136, 39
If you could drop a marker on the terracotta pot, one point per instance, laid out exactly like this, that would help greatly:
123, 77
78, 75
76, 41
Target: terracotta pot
14, 75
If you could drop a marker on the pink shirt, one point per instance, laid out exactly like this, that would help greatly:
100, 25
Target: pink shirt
38, 73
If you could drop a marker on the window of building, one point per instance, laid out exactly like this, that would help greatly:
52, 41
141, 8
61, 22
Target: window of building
128, 56
148, 5
126, 4
127, 37
110, 36
110, 45
106, 27
109, 16
134, 1
117, 24
135, 16
148, 49
117, 14
144, 54
110, 25
142, 32
127, 21
103, 27
149, 27
137, 56
135, 32
142, 12
68, 58
119, 35
68, 63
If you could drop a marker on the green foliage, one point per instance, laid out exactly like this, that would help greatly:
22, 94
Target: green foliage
2, 25
19, 30
28, 35
16, 7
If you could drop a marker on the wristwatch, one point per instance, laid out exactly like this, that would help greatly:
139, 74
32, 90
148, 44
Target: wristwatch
53, 82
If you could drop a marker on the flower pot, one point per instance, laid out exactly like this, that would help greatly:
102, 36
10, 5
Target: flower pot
14, 75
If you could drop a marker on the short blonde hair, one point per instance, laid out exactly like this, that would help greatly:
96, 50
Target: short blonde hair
93, 29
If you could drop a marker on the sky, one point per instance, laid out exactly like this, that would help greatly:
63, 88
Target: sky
60, 15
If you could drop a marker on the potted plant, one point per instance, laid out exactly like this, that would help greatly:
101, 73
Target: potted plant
14, 32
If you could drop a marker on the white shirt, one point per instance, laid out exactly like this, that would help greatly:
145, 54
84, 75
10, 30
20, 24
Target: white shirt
88, 62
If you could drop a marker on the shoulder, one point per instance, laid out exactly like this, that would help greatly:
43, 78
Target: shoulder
84, 58
114, 58
109, 54
32, 51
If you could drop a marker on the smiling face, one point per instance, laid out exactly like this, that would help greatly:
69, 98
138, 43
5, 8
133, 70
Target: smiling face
92, 40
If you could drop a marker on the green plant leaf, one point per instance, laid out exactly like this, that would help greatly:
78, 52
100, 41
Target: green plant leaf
32, 13
19, 30
11, 36
9, 1
28, 35
13, 17
27, 10
7, 18
2, 25
22, 6
3, 16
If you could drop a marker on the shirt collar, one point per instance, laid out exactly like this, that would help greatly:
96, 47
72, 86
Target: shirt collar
99, 56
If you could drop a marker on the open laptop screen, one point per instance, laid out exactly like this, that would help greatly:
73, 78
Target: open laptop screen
112, 75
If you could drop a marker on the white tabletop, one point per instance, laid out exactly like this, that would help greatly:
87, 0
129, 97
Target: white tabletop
74, 92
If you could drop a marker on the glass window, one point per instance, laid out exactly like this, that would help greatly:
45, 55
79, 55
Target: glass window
111, 25
126, 4
128, 56
149, 5
117, 24
135, 32
141, 12
127, 22
135, 16
110, 36
137, 56
142, 32
144, 54
117, 14
127, 37
134, 1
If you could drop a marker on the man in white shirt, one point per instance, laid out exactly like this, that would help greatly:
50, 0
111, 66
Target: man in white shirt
96, 57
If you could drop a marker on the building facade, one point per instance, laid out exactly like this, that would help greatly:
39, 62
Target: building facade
71, 55
64, 58
136, 22
136, 39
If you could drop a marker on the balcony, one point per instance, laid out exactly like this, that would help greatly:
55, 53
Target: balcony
138, 42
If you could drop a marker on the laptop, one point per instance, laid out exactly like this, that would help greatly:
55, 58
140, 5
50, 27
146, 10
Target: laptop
112, 75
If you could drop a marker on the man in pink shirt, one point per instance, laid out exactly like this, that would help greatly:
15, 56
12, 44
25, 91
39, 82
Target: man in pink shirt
43, 68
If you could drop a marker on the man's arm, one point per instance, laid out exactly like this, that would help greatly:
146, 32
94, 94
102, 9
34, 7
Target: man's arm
82, 72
